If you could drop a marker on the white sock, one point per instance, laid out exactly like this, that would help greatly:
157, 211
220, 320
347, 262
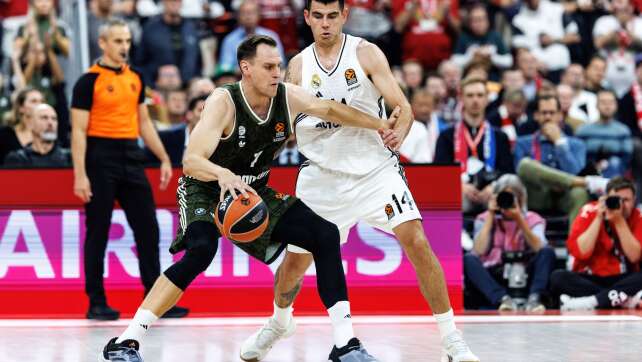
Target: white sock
446, 323
579, 303
282, 316
341, 323
142, 320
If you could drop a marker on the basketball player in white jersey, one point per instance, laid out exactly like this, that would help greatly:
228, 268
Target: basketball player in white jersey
341, 184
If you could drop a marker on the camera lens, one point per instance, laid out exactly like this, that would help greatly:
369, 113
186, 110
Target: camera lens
613, 202
505, 200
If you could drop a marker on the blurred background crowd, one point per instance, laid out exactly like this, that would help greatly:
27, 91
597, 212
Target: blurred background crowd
547, 94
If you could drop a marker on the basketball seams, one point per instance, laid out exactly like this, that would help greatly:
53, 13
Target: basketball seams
265, 222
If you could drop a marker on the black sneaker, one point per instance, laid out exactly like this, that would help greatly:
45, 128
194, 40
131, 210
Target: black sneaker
102, 313
352, 352
125, 351
176, 312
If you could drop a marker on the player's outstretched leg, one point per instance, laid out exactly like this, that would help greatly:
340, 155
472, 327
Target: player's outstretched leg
287, 283
432, 283
300, 226
200, 238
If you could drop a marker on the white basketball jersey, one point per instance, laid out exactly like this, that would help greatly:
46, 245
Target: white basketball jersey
332, 146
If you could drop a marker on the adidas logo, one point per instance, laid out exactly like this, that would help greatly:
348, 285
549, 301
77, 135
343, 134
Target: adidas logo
347, 316
145, 326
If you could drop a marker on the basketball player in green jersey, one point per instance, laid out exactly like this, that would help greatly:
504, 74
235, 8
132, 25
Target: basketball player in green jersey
242, 127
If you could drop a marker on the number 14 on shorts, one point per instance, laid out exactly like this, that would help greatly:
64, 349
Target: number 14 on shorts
406, 203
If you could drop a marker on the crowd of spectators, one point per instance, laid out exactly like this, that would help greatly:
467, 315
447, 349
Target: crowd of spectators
549, 91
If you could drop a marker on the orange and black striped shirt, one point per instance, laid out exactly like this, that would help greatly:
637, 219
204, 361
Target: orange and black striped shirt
112, 97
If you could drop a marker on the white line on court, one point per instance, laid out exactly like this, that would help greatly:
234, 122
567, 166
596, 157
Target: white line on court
257, 321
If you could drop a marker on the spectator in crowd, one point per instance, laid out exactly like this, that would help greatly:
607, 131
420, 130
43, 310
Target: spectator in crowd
36, 51
549, 162
608, 142
618, 36
482, 151
419, 145
511, 116
248, 20
43, 150
565, 96
511, 80
528, 65
99, 12
584, 105
175, 139
450, 107
509, 229
369, 19
109, 115
605, 242
280, 16
168, 78
200, 86
540, 27
176, 106
422, 22
223, 77
436, 87
594, 74
630, 113
478, 42
413, 76
168, 39
18, 134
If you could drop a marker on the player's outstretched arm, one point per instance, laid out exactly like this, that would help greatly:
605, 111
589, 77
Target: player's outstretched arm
375, 64
217, 118
302, 102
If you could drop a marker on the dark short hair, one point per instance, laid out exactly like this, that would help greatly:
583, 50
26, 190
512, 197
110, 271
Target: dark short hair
620, 183
247, 48
547, 97
194, 102
308, 3
596, 57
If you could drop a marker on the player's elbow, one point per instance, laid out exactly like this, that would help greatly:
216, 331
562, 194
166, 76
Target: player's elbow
189, 164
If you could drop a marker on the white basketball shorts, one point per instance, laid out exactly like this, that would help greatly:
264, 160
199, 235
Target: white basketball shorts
380, 198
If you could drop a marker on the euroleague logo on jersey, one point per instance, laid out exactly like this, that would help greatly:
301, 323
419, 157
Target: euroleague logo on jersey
351, 76
390, 212
279, 128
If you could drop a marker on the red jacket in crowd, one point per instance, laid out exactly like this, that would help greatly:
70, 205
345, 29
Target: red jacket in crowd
602, 261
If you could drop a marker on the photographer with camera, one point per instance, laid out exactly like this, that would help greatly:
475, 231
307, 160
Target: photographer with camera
508, 228
605, 243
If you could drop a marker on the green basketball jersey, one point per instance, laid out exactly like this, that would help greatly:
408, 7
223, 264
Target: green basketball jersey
249, 150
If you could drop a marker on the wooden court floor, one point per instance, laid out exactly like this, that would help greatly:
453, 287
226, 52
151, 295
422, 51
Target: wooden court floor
522, 338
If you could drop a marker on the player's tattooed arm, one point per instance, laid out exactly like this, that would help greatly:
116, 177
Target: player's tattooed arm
293, 72
301, 101
376, 65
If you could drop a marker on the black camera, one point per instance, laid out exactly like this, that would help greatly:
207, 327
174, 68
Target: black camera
505, 200
613, 202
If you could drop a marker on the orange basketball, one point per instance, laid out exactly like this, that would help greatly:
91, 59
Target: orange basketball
242, 220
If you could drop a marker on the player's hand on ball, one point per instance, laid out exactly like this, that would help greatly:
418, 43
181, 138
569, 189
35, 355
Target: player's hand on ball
229, 182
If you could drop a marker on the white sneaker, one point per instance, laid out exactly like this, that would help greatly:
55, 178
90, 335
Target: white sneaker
257, 346
568, 303
596, 184
455, 349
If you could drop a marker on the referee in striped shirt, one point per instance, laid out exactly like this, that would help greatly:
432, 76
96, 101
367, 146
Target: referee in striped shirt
108, 115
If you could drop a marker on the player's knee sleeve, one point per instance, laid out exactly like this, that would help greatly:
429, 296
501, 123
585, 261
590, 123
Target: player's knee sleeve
326, 237
202, 244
